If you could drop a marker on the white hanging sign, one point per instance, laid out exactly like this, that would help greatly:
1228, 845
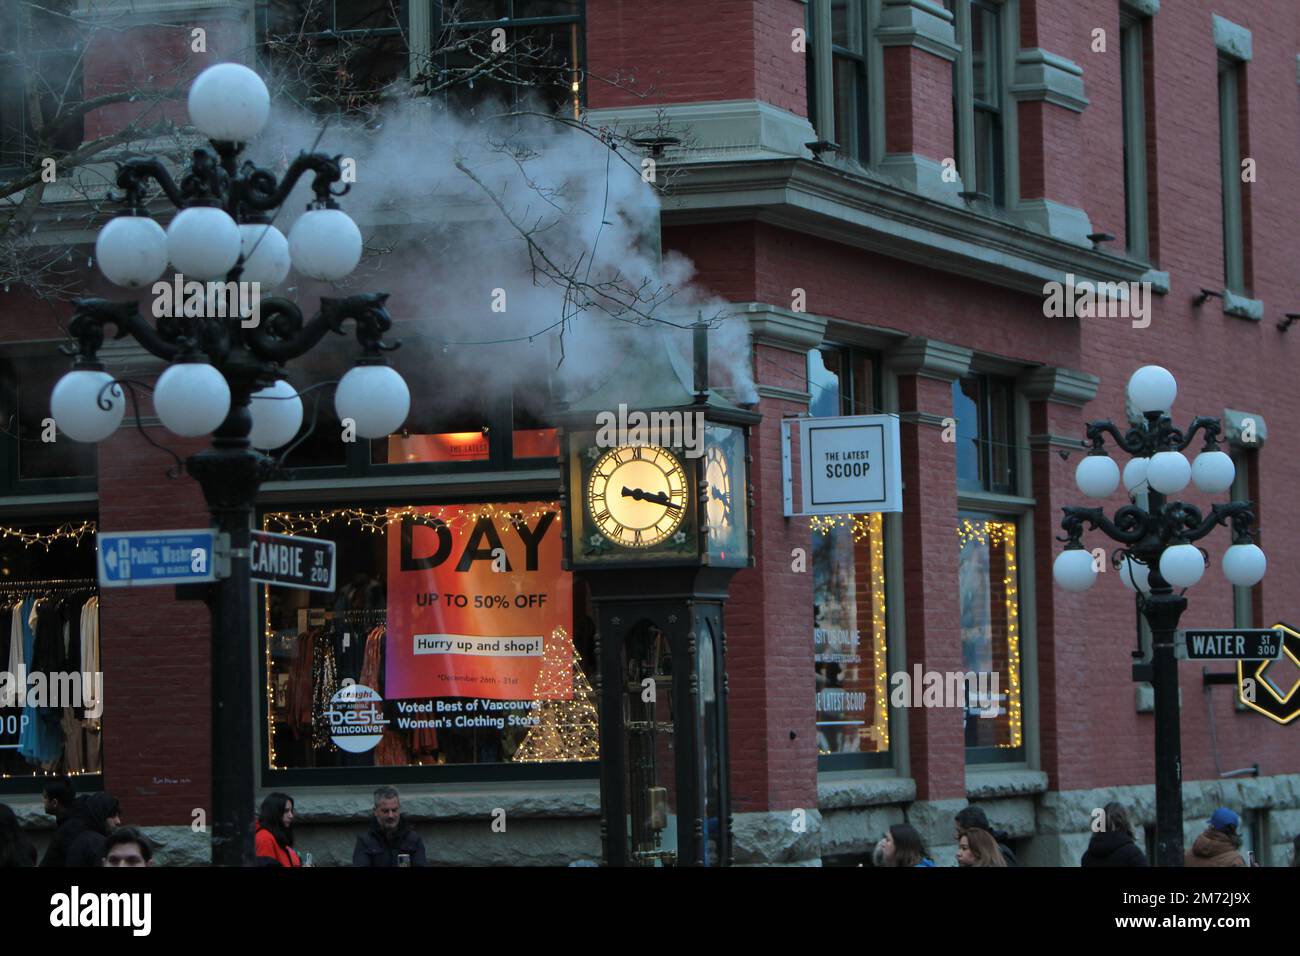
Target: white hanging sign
848, 465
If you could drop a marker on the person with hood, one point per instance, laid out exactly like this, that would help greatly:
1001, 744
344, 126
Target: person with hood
273, 842
101, 815
974, 818
901, 846
15, 850
390, 835
61, 803
1115, 845
1219, 844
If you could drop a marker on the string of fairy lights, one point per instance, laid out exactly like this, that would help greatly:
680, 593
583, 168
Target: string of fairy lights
869, 528
73, 531
378, 520
1002, 534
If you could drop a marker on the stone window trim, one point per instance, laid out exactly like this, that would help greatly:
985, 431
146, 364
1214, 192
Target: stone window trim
1134, 90
1232, 40
819, 21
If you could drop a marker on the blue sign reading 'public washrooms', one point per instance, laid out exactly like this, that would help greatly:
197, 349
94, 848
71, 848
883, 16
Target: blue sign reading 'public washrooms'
137, 558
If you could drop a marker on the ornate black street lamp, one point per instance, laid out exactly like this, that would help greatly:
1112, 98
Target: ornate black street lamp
1158, 554
226, 375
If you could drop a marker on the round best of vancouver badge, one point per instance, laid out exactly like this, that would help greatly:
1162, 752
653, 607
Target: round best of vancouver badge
356, 716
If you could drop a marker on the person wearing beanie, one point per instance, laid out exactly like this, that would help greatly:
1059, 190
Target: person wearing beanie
1219, 845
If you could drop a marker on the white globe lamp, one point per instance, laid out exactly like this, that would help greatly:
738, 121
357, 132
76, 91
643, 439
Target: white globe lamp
1244, 565
1168, 472
203, 243
1153, 389
131, 251
1097, 476
277, 416
191, 398
1073, 569
1213, 472
1182, 565
266, 255
1135, 474
229, 102
1134, 575
76, 407
325, 244
375, 397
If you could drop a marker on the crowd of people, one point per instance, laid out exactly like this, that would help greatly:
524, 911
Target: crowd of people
1112, 844
89, 832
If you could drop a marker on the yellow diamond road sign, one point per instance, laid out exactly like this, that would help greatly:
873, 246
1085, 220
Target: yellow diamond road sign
1271, 694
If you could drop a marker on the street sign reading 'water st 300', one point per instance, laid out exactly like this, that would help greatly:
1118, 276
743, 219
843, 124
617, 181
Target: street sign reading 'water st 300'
1235, 644
141, 558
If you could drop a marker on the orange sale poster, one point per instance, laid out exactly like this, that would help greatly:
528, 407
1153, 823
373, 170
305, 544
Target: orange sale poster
472, 605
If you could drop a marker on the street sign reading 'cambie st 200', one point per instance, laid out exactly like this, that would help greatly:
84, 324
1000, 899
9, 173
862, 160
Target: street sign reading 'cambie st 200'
1238, 644
290, 561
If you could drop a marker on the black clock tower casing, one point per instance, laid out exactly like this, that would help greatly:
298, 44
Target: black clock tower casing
660, 640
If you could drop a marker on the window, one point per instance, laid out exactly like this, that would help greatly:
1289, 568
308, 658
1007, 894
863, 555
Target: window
458, 661
1132, 74
48, 596
35, 459
978, 97
508, 50
848, 566
336, 55
984, 407
499, 426
1234, 252
40, 81
990, 637
845, 117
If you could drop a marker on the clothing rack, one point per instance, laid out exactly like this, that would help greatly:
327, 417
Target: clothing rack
378, 615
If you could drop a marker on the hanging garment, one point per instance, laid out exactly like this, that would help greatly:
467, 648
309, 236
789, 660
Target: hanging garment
9, 693
92, 729
324, 684
41, 740
17, 660
300, 678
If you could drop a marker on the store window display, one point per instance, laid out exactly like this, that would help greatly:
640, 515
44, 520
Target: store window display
450, 640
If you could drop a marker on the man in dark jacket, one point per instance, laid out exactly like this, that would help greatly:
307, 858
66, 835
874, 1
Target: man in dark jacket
61, 804
101, 815
973, 818
390, 836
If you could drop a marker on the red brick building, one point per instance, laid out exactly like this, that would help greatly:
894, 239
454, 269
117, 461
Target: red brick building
883, 189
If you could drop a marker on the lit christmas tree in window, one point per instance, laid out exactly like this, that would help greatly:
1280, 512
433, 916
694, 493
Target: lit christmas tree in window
567, 724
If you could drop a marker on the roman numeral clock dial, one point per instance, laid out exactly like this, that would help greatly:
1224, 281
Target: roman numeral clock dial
637, 495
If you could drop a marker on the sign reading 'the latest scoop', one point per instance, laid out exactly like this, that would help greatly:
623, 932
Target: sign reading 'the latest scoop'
850, 464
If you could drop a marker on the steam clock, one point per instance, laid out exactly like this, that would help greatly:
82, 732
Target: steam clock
657, 496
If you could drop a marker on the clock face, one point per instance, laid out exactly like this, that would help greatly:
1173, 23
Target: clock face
637, 495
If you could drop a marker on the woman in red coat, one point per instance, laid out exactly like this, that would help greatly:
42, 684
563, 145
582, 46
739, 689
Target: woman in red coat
273, 844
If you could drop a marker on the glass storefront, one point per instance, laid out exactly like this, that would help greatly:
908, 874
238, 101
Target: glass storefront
450, 640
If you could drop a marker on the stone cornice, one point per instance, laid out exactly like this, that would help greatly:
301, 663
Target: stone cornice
919, 23
1063, 386
1041, 75
1232, 39
782, 328
782, 394
868, 213
930, 358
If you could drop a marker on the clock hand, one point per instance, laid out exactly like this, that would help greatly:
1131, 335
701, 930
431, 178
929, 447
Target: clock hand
637, 494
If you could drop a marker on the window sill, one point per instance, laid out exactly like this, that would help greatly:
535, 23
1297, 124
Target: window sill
841, 789
1000, 782
451, 801
1242, 307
